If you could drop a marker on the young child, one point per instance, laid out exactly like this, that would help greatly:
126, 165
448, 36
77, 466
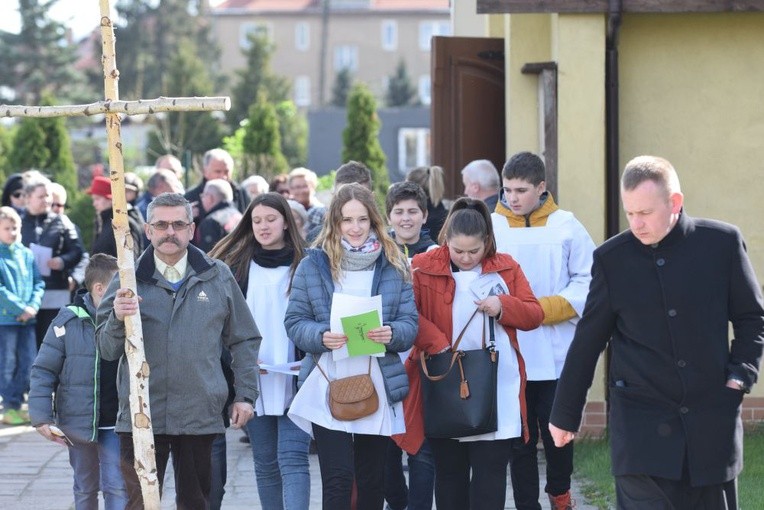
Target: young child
555, 252
406, 207
21, 289
85, 388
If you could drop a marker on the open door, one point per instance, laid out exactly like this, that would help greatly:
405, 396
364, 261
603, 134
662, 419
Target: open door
467, 109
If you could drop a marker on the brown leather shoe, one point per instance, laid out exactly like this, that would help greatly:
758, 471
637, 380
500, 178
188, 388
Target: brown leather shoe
562, 502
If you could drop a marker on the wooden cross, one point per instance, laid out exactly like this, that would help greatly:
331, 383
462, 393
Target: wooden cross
143, 436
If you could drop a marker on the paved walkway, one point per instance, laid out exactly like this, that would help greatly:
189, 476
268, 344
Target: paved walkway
35, 475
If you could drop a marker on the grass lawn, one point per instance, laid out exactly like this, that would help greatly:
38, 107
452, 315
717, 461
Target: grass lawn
592, 469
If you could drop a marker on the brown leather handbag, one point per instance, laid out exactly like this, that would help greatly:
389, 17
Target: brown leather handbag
351, 398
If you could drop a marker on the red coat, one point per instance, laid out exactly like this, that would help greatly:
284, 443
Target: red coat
434, 289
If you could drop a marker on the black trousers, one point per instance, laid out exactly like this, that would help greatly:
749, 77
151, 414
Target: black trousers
524, 468
344, 457
643, 492
42, 321
191, 463
486, 461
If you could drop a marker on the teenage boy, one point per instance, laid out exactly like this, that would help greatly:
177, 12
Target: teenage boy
555, 251
406, 207
85, 387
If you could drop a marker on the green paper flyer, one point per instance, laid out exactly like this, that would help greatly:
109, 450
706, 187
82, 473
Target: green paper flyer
356, 327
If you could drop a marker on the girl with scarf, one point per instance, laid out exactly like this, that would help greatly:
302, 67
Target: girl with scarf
263, 254
355, 256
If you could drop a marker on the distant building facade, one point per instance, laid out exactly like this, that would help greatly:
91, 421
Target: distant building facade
368, 37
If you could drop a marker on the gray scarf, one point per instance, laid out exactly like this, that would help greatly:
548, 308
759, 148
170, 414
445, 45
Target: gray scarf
358, 261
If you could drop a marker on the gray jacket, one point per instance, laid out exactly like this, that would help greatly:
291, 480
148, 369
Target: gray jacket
309, 309
68, 366
184, 333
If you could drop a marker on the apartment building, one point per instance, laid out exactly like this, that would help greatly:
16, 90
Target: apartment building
369, 37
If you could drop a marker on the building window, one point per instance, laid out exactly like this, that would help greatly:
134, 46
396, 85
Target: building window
425, 96
302, 91
302, 36
413, 148
389, 35
346, 57
429, 29
261, 29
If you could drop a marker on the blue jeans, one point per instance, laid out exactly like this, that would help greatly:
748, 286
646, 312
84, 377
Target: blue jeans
419, 494
219, 471
96, 466
17, 353
280, 452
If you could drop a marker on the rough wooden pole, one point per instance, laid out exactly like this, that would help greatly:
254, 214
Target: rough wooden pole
143, 434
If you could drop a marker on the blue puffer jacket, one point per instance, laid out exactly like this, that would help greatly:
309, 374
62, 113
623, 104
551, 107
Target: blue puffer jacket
309, 309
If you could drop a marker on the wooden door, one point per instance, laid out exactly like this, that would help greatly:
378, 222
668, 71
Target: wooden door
467, 110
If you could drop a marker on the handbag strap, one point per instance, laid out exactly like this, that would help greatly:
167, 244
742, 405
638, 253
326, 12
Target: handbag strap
455, 354
318, 364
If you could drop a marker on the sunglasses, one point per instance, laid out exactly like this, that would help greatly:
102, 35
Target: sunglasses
57, 206
17, 194
176, 225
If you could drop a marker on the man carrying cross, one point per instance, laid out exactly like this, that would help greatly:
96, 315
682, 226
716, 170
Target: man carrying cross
191, 309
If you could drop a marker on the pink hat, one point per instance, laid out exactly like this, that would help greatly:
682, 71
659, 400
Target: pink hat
100, 186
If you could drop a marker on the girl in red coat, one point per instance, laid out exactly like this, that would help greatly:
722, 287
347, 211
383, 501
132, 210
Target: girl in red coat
470, 472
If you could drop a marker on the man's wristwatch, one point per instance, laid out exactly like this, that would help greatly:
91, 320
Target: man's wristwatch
741, 385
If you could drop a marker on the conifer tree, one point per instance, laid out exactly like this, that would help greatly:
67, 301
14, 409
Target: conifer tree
342, 84
361, 137
262, 140
400, 90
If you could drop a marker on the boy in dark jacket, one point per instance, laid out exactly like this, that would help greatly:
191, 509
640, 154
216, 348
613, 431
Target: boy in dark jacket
85, 387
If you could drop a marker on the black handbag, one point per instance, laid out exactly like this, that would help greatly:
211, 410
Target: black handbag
461, 400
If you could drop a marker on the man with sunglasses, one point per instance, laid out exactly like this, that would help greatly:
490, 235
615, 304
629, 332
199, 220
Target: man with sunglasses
191, 309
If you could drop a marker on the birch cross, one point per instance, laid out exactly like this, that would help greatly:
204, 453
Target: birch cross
143, 437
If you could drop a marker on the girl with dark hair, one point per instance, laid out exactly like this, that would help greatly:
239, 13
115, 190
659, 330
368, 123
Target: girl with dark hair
471, 472
263, 252
356, 257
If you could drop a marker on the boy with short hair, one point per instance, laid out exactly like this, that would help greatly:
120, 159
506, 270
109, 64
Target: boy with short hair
555, 251
21, 289
85, 388
406, 207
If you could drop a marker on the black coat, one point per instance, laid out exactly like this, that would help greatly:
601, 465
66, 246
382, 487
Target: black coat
667, 307
103, 234
59, 233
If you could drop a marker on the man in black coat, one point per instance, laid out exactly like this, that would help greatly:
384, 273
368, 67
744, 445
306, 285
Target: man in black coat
663, 294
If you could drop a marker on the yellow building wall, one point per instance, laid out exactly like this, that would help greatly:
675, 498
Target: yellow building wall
692, 91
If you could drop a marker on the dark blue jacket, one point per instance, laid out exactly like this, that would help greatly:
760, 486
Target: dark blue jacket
309, 310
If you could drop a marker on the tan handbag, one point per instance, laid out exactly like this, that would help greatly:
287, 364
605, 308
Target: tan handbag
351, 398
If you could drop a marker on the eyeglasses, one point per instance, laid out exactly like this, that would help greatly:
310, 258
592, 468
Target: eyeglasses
17, 194
57, 206
176, 225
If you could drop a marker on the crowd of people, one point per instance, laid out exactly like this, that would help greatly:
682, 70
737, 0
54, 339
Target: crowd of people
258, 302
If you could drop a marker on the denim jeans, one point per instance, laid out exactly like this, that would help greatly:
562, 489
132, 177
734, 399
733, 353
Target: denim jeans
219, 471
96, 466
17, 353
280, 452
418, 495
524, 469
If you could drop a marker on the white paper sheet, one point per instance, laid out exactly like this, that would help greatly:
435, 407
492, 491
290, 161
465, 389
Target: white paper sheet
291, 368
42, 254
488, 284
345, 305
